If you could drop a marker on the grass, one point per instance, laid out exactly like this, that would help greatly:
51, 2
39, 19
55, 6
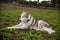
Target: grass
9, 16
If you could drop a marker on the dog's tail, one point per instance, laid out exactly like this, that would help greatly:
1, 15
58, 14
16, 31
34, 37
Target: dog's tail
49, 30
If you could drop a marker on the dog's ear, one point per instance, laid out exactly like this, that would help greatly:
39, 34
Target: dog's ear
29, 16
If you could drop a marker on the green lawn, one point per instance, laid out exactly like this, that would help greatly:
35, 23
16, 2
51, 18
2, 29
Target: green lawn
9, 16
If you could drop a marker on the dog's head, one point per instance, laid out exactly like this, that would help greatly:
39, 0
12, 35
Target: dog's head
25, 17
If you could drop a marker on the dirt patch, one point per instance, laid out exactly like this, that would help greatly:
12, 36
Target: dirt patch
9, 5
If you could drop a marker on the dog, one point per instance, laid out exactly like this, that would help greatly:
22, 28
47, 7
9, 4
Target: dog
28, 21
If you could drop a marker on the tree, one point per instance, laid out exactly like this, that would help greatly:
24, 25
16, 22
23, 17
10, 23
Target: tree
54, 2
37, 1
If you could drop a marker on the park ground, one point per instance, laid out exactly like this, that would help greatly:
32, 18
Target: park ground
9, 16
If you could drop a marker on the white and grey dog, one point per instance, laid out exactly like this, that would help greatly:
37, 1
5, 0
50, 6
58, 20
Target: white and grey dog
27, 21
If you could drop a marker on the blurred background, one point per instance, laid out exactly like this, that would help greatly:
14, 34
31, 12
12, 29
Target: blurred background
34, 3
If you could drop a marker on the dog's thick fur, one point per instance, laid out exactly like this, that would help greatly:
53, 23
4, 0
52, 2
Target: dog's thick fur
27, 21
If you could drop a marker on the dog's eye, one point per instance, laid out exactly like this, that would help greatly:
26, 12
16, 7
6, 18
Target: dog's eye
23, 16
26, 16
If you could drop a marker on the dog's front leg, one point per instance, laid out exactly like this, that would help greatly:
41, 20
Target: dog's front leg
19, 26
